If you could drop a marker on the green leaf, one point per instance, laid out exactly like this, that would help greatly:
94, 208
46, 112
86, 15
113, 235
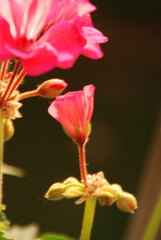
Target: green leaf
3, 238
55, 237
4, 223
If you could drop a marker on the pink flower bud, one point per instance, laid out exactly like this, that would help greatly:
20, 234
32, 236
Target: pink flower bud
74, 111
51, 88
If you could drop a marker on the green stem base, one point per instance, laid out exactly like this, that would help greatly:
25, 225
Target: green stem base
88, 218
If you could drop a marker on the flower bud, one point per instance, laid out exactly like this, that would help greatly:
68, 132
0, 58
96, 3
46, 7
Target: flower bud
126, 202
8, 129
73, 111
111, 190
73, 188
55, 191
73, 191
51, 88
71, 180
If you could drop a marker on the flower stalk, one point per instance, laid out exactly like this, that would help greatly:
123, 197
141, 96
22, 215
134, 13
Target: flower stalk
28, 94
82, 162
88, 218
48, 89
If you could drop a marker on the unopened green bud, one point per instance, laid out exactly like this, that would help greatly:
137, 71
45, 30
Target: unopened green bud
70, 180
73, 188
72, 192
8, 129
126, 202
55, 191
111, 190
51, 88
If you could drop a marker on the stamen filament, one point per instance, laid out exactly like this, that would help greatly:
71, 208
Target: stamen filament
16, 83
3, 70
5, 93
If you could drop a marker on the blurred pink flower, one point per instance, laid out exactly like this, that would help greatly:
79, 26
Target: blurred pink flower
78, 11
74, 111
48, 34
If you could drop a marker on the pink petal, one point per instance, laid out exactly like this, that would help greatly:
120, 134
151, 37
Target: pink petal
70, 10
59, 111
36, 17
5, 37
43, 60
74, 109
66, 38
95, 33
8, 12
17, 11
88, 92
94, 37
85, 7
26, 18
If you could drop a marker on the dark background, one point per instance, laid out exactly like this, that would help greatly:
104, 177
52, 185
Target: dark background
127, 106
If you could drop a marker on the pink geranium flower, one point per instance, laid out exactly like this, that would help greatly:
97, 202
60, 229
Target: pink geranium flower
48, 34
74, 111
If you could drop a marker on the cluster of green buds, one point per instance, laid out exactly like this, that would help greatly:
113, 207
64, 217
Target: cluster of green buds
96, 186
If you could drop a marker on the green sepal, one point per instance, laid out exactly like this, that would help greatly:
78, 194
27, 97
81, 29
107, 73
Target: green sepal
55, 237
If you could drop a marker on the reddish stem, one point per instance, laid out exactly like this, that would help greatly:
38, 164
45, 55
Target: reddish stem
15, 71
3, 70
16, 83
24, 95
82, 162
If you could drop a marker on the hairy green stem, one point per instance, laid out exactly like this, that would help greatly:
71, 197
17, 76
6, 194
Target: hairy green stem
154, 221
1, 156
88, 218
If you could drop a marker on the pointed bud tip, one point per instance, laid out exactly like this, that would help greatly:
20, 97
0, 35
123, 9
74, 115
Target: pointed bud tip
55, 191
